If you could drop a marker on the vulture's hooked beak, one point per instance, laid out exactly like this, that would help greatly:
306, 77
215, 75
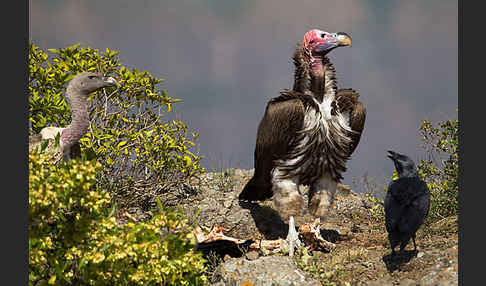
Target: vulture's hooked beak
104, 82
110, 81
343, 39
323, 42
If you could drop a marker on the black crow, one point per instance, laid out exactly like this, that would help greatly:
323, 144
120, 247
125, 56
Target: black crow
407, 203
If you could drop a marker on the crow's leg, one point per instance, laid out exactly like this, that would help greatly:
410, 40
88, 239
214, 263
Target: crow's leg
393, 243
414, 244
403, 244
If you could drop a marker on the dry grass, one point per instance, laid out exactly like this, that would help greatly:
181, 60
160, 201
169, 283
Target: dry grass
364, 255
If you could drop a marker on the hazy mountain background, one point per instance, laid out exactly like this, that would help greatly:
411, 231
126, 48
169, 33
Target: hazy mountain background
226, 59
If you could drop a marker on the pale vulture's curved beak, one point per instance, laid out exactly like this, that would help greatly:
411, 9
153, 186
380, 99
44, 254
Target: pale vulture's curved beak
111, 81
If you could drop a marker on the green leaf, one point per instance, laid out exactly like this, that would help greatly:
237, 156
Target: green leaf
69, 77
188, 160
44, 145
57, 139
112, 210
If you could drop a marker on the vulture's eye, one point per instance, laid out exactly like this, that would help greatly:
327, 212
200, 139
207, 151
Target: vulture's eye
323, 36
92, 77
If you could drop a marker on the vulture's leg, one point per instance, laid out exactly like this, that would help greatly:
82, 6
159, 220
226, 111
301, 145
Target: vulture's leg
286, 196
414, 245
289, 202
321, 195
292, 237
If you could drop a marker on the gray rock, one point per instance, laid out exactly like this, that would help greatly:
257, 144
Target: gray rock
408, 282
239, 172
445, 271
220, 283
444, 277
252, 255
380, 282
227, 204
264, 271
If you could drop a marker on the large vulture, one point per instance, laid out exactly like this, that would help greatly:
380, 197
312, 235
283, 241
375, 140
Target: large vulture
307, 134
77, 93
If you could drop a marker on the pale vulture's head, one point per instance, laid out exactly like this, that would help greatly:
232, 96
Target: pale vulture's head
88, 82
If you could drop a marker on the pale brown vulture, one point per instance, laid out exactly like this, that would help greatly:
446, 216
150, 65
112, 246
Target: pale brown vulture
77, 92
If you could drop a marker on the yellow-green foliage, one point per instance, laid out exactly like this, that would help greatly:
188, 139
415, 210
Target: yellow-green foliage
439, 171
140, 152
441, 168
74, 241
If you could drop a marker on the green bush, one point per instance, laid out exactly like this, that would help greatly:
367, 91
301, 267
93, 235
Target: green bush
440, 169
131, 156
142, 156
74, 240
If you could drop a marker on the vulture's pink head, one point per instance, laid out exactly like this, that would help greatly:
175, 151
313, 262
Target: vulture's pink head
317, 42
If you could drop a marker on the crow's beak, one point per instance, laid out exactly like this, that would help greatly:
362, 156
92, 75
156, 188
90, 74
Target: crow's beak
392, 155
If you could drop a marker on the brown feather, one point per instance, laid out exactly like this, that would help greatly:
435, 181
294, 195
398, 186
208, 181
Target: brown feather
283, 118
283, 143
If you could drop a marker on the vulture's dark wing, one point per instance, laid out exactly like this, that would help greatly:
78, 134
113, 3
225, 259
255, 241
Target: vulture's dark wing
283, 117
347, 101
407, 204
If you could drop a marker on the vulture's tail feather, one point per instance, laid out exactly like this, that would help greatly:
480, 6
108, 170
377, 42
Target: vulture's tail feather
255, 192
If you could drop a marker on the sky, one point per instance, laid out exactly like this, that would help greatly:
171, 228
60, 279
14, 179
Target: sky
226, 59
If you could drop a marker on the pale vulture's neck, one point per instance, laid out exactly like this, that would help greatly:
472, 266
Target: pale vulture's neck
80, 118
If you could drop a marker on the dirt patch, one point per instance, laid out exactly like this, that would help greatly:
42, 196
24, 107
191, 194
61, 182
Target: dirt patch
362, 253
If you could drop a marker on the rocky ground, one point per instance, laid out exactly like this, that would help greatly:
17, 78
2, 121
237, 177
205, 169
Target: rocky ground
362, 253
